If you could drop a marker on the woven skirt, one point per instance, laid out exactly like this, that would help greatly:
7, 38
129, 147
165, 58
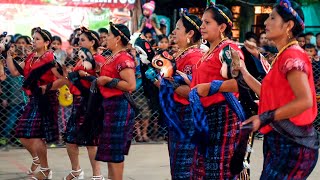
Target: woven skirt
285, 159
74, 123
224, 135
34, 123
116, 136
185, 161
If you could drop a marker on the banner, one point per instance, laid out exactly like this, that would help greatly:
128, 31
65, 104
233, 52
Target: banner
79, 3
61, 21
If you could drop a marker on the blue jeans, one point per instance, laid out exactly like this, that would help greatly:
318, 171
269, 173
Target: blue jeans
14, 114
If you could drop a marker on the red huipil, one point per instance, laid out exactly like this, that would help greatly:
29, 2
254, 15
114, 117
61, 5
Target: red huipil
99, 61
185, 63
119, 62
276, 90
32, 63
209, 70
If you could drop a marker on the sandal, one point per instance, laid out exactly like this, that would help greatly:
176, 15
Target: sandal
75, 177
42, 175
98, 178
34, 162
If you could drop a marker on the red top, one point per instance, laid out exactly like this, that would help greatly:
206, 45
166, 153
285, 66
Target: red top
79, 66
276, 90
32, 63
119, 62
209, 70
185, 63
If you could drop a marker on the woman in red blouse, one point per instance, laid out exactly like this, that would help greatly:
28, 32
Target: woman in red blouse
184, 160
116, 81
223, 125
80, 89
38, 123
287, 104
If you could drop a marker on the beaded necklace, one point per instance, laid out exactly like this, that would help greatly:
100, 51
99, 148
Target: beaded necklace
283, 49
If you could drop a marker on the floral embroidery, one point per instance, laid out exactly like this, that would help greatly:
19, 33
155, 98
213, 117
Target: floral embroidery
294, 63
187, 69
125, 64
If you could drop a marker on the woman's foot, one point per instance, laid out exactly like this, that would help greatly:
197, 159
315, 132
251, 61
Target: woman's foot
34, 166
98, 178
43, 174
75, 175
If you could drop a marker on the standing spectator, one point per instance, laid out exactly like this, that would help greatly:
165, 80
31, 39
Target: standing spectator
143, 118
64, 113
309, 36
318, 43
14, 100
301, 40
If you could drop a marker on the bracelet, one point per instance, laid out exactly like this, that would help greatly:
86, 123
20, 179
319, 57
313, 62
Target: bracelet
113, 83
266, 117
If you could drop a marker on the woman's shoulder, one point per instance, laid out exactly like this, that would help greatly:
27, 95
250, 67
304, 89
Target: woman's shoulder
99, 58
48, 56
124, 55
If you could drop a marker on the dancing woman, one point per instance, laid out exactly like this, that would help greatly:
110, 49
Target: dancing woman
38, 123
89, 43
185, 161
221, 125
116, 81
287, 106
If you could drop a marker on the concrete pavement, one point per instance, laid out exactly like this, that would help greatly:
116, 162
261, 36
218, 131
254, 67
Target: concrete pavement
145, 162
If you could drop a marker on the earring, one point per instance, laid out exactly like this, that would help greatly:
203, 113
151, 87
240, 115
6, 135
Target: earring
45, 48
188, 41
221, 35
116, 44
288, 34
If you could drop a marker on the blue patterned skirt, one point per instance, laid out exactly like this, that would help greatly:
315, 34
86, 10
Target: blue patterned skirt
285, 159
34, 123
74, 123
116, 136
224, 135
185, 161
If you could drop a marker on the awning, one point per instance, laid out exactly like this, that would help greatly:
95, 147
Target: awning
79, 3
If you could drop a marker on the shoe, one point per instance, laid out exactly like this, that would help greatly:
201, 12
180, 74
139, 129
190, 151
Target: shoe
42, 176
76, 177
34, 162
98, 178
53, 146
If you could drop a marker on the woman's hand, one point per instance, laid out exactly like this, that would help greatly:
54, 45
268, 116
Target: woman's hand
184, 76
83, 73
203, 89
252, 48
255, 120
102, 80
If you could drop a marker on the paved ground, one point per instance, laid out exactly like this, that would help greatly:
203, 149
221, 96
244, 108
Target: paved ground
145, 162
